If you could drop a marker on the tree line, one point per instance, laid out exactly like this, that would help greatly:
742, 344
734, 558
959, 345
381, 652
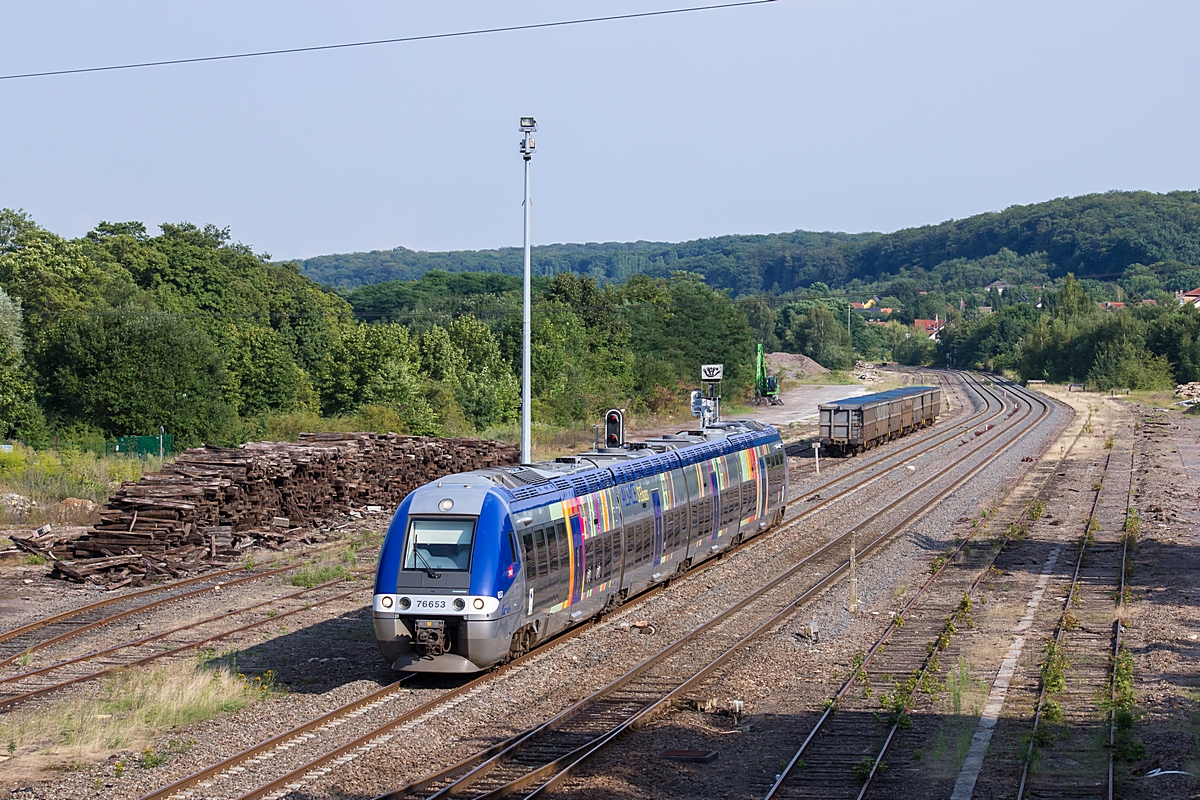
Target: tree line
120, 331
1095, 237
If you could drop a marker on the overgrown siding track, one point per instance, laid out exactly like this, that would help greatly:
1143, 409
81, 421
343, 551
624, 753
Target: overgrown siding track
1070, 752
39, 634
174, 641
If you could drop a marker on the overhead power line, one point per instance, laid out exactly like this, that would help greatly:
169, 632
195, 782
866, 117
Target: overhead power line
374, 42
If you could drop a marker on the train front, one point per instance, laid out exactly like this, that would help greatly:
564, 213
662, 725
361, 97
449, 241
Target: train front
446, 598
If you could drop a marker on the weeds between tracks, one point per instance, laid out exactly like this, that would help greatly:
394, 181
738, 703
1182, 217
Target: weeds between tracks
130, 710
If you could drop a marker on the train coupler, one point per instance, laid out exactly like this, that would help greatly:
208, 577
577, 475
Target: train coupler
430, 637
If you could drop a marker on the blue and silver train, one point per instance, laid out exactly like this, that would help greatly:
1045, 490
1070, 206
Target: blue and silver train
480, 567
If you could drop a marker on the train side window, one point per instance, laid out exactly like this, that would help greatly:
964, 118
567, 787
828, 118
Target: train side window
512, 547
611, 556
543, 556
552, 547
530, 556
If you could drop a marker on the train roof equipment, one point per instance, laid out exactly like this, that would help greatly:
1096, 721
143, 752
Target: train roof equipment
603, 467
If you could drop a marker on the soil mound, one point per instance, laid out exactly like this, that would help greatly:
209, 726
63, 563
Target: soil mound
793, 365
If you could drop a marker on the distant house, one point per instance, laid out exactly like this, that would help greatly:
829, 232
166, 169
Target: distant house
858, 306
985, 309
999, 286
1191, 298
1150, 302
929, 327
1112, 306
886, 310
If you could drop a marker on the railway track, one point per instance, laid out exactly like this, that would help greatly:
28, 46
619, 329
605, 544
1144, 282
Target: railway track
845, 750
536, 762
17, 643
31, 684
993, 408
1063, 758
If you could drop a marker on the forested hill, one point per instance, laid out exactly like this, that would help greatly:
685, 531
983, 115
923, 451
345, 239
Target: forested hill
1093, 236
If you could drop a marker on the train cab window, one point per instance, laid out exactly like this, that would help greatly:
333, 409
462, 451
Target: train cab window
439, 544
530, 556
512, 547
543, 557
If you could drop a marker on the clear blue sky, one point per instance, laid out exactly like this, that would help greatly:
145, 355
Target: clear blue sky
820, 115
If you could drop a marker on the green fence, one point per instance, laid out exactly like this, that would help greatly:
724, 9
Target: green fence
142, 445
133, 446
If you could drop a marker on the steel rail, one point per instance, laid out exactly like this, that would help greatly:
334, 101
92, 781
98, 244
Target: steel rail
568, 762
929, 443
1117, 628
925, 666
311, 725
1060, 627
149, 590
925, 446
21, 698
164, 634
943, 436
892, 626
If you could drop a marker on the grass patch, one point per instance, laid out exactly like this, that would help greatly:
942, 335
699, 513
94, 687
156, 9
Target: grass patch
131, 708
330, 568
1054, 666
316, 574
51, 476
1133, 526
1037, 510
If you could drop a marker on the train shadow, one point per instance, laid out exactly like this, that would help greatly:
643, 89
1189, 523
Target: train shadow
317, 658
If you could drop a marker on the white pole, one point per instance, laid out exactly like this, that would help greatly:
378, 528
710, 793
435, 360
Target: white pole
817, 456
526, 417
528, 126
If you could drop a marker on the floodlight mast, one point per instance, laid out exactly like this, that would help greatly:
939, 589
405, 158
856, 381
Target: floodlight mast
528, 126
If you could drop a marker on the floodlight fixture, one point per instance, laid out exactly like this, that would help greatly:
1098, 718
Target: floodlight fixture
528, 125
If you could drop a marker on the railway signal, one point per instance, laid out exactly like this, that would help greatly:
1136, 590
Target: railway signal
614, 428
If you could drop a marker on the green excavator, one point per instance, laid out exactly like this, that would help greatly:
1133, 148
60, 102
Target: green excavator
766, 387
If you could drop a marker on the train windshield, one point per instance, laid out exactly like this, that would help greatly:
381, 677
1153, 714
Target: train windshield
437, 545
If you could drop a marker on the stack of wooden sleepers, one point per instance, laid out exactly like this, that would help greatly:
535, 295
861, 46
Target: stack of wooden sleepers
212, 503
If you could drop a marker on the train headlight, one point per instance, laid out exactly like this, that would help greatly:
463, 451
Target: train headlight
459, 604
405, 602
478, 603
386, 602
